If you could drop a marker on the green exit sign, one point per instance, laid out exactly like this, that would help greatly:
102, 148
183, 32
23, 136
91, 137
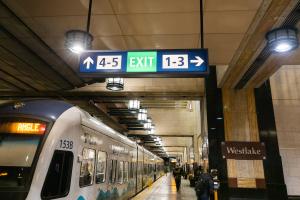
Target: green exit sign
141, 61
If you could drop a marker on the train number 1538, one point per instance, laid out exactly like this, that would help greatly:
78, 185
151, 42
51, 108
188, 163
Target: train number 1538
66, 144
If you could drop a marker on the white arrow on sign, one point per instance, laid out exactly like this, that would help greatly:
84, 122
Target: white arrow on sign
198, 61
88, 62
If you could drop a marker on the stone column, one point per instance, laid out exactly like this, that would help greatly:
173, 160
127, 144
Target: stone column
240, 124
243, 115
197, 131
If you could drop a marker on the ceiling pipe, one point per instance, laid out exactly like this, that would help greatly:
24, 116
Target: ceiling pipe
201, 25
89, 17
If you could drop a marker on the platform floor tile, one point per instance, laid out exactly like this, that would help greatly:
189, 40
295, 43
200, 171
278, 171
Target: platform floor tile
165, 189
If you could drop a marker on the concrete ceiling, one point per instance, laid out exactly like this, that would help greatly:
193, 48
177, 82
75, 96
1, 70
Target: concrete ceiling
141, 24
191, 88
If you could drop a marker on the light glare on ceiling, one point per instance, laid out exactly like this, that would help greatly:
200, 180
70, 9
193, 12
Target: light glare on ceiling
283, 47
76, 48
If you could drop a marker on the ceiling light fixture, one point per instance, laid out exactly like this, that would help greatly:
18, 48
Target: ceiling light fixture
78, 40
151, 131
134, 105
148, 125
160, 143
282, 39
115, 84
142, 115
153, 127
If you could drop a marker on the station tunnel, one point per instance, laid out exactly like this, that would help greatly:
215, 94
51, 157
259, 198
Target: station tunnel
149, 99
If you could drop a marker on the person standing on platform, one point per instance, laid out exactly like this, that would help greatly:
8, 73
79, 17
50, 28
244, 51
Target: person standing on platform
177, 176
204, 186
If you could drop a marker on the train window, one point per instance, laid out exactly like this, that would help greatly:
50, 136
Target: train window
140, 168
87, 167
131, 169
101, 167
125, 172
120, 172
58, 179
21, 150
111, 171
145, 169
112, 174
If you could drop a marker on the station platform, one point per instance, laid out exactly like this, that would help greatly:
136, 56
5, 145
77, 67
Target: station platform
165, 189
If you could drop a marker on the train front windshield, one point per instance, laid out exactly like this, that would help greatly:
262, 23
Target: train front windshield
19, 143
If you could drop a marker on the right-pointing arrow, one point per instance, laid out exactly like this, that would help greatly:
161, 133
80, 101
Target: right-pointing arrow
198, 61
88, 62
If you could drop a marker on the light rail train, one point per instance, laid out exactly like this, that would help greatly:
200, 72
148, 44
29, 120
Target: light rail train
51, 149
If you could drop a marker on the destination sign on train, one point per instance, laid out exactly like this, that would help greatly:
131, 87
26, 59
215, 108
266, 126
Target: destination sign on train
146, 63
22, 128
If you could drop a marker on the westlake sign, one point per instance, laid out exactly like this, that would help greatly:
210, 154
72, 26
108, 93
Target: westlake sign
145, 63
243, 150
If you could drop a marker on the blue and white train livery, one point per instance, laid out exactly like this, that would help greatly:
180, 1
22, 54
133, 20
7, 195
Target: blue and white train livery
51, 149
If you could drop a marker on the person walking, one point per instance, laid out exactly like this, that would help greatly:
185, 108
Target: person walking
177, 176
204, 186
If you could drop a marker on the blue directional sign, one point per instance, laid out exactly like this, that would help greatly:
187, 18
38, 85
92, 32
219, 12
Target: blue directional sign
145, 63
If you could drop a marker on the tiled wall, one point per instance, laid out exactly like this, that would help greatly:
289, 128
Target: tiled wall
285, 86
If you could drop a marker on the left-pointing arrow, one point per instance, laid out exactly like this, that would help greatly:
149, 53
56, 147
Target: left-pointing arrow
88, 62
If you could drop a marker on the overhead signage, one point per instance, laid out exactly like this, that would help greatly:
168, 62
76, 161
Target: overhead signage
141, 61
146, 63
22, 128
243, 150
